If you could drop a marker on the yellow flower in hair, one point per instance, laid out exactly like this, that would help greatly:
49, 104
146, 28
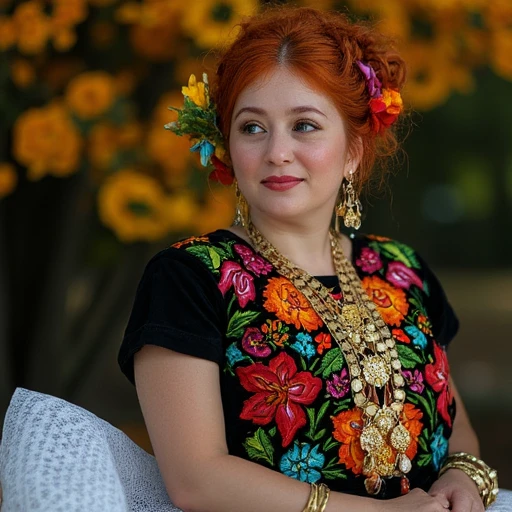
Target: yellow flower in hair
196, 92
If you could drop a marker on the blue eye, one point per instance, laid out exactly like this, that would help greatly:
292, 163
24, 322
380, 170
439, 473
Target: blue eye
252, 128
305, 126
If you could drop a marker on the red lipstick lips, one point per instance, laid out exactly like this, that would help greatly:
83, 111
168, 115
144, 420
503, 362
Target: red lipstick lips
280, 183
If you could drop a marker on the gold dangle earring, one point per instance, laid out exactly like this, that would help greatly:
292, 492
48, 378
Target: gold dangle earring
350, 206
241, 208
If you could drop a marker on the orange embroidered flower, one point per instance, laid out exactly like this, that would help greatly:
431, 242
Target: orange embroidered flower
290, 305
324, 342
424, 324
411, 421
347, 430
391, 302
275, 331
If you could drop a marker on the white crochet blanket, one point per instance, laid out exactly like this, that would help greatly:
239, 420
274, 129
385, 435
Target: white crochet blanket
57, 457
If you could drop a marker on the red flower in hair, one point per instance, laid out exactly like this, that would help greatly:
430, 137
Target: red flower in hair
385, 109
221, 172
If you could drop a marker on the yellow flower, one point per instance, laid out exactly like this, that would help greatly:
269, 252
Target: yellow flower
68, 12
103, 144
64, 39
210, 22
7, 33
91, 94
47, 142
22, 73
135, 207
183, 209
32, 27
8, 179
196, 92
501, 44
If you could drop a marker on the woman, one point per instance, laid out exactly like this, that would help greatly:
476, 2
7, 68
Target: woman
249, 370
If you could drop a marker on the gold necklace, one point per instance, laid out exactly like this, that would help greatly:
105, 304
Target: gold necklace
370, 351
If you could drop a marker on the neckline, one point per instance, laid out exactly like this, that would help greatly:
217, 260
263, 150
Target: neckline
354, 240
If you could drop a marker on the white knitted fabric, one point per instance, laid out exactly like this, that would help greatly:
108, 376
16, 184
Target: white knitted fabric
57, 457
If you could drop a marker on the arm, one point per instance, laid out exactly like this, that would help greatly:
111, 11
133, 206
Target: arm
454, 485
186, 426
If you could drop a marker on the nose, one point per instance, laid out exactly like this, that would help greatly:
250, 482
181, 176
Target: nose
279, 148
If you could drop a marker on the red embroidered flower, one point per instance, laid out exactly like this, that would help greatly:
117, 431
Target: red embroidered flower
324, 342
402, 276
400, 335
279, 390
369, 260
437, 375
232, 274
252, 261
221, 172
254, 343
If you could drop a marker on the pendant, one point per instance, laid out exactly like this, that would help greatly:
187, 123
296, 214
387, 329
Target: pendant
376, 371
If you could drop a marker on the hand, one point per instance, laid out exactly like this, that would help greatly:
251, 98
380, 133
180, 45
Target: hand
416, 500
460, 491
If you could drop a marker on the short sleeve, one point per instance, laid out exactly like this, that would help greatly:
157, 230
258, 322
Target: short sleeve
445, 323
177, 306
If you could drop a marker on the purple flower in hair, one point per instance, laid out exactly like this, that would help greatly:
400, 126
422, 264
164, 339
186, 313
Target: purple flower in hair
373, 84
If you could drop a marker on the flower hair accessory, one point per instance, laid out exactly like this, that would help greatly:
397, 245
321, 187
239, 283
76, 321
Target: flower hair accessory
197, 119
385, 104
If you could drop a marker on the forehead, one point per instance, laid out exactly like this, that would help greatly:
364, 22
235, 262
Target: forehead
282, 89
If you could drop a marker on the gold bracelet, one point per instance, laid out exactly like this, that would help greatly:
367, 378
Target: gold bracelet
318, 497
485, 478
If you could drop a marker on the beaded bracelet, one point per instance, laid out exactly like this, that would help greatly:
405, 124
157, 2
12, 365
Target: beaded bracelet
485, 478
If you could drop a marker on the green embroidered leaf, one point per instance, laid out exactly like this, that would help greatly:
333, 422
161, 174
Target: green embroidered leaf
238, 322
259, 447
319, 435
426, 287
341, 406
427, 404
202, 252
400, 252
311, 416
332, 362
272, 432
334, 474
214, 256
408, 356
425, 459
330, 443
422, 440
321, 412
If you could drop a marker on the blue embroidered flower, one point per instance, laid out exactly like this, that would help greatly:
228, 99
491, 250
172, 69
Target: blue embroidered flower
439, 447
205, 149
418, 338
233, 354
302, 462
304, 345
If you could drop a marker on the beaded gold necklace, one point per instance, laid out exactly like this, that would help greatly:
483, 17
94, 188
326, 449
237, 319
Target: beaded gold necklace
369, 349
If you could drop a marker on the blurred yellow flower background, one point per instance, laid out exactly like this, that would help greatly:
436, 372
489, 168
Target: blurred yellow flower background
88, 84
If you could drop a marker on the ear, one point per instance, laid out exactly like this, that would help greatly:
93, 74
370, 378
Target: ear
354, 157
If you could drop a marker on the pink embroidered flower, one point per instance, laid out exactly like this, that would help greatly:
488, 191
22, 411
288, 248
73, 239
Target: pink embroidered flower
232, 274
369, 260
279, 392
414, 380
254, 343
253, 261
437, 375
339, 386
402, 276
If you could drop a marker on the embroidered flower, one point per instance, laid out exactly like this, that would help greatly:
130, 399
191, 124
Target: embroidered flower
411, 417
400, 335
195, 92
279, 391
348, 426
437, 375
369, 260
303, 462
324, 342
233, 354
252, 261
391, 302
304, 345
418, 338
439, 447
205, 150
402, 276
276, 332
339, 386
232, 274
254, 343
424, 324
290, 305
414, 380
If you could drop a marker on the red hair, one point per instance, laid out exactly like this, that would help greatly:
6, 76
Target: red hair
322, 48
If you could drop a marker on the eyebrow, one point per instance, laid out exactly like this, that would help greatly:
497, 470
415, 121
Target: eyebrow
295, 110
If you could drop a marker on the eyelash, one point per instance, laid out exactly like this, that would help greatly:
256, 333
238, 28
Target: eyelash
246, 127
